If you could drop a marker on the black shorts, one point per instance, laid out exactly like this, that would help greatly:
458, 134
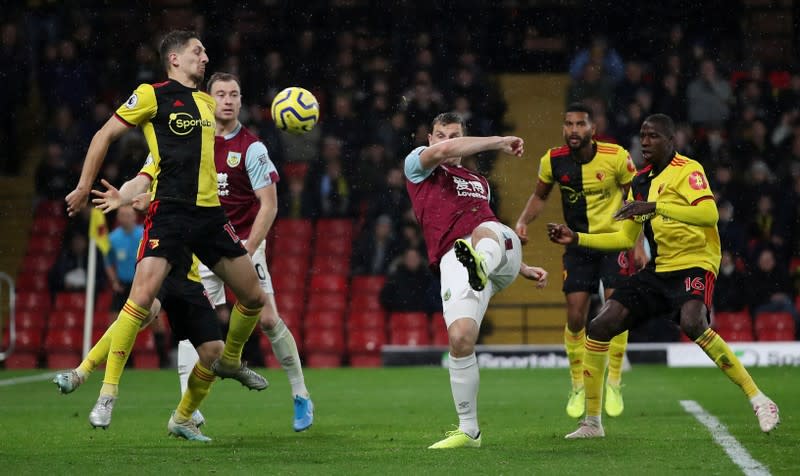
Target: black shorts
584, 268
648, 294
191, 315
172, 227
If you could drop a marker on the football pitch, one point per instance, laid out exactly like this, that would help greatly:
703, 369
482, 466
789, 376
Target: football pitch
380, 421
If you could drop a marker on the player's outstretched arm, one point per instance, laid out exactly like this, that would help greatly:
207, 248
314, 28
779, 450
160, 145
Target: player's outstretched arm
464, 146
534, 273
111, 131
623, 239
112, 199
532, 209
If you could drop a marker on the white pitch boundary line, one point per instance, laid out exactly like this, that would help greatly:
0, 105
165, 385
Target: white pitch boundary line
27, 379
737, 453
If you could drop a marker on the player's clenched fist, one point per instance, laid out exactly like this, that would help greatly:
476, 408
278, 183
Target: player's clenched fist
560, 233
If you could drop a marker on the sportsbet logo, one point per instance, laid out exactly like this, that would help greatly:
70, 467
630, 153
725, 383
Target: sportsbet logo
182, 123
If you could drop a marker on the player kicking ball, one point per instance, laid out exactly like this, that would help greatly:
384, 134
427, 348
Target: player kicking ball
475, 254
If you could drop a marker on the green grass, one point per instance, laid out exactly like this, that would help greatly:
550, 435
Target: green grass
381, 421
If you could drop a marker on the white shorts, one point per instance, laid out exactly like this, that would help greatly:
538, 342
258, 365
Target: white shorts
459, 300
216, 288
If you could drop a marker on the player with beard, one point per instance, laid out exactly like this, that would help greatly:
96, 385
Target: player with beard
594, 177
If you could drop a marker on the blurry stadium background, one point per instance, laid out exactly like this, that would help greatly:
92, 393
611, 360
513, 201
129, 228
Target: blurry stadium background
727, 72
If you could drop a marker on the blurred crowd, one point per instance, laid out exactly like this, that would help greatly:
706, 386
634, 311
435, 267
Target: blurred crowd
379, 84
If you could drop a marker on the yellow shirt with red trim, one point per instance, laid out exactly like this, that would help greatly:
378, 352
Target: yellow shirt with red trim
675, 245
178, 124
150, 169
590, 192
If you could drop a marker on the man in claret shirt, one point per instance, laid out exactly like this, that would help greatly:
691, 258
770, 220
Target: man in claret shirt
475, 255
246, 180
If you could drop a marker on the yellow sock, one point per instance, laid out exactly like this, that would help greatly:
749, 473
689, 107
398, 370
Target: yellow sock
616, 353
594, 371
241, 325
97, 354
574, 344
125, 329
200, 381
719, 351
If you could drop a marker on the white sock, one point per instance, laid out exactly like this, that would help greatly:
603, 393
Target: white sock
758, 398
464, 381
490, 249
593, 420
285, 349
187, 357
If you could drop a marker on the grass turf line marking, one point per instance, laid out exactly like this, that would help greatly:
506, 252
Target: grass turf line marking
26, 379
737, 453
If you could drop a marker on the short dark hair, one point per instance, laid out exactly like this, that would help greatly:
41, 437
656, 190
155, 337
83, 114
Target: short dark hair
222, 76
173, 41
664, 122
447, 118
580, 107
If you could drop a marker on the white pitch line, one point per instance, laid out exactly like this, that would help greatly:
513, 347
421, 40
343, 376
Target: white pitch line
737, 453
27, 379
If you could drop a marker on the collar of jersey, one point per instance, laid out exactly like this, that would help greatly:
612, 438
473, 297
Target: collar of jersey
233, 133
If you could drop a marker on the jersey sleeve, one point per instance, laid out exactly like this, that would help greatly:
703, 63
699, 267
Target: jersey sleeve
693, 184
546, 169
626, 169
413, 167
260, 169
139, 108
149, 168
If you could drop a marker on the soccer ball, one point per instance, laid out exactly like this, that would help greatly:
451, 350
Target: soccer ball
295, 110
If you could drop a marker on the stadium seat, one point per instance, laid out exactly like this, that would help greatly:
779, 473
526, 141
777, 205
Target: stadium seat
774, 321
38, 302
144, 341
44, 245
293, 229
745, 335
103, 301
145, 360
292, 319
53, 226
289, 280
365, 302
776, 335
50, 208
29, 320
323, 360
292, 246
330, 227
22, 360
103, 319
70, 300
63, 340
284, 263
320, 340
328, 283
366, 320
438, 327
338, 245
365, 341
63, 360
735, 321
297, 170
413, 336
330, 264
28, 340
32, 282
408, 320
367, 284
290, 302
366, 361
324, 319
66, 319
37, 263
326, 302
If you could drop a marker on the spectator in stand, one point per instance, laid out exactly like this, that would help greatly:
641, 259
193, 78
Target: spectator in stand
408, 287
709, 96
670, 98
15, 74
769, 288
593, 83
606, 58
767, 227
789, 98
633, 82
331, 192
52, 181
392, 200
732, 236
728, 289
376, 248
295, 202
69, 272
